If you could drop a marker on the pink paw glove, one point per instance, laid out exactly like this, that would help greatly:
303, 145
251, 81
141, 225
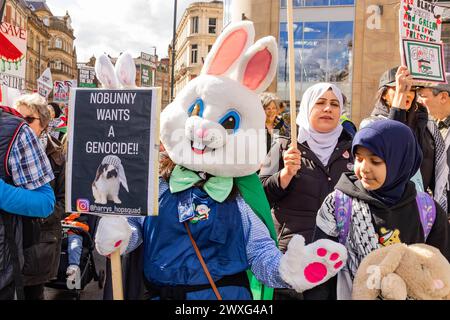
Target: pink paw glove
304, 267
112, 233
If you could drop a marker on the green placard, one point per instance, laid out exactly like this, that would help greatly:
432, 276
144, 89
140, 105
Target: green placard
146, 76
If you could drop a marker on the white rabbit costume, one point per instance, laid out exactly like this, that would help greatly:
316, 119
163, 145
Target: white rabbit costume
214, 132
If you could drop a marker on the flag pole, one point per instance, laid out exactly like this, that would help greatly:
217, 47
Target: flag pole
292, 93
116, 275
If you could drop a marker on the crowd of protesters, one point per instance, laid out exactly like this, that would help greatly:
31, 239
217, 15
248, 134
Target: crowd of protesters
401, 152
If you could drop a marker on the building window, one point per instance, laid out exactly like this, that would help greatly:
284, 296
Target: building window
30, 63
194, 25
36, 70
194, 53
323, 52
8, 14
212, 25
31, 40
209, 48
58, 43
57, 64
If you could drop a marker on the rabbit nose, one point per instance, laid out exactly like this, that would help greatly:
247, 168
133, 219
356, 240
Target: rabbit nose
201, 133
438, 284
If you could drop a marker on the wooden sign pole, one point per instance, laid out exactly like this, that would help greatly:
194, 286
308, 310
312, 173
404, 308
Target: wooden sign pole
292, 94
116, 275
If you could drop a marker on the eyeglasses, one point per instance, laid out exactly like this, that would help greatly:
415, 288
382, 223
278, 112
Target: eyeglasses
30, 119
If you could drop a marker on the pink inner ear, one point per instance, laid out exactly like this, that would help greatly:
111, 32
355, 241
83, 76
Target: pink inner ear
229, 52
257, 69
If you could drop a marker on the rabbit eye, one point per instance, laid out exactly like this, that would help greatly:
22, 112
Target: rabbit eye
196, 109
231, 121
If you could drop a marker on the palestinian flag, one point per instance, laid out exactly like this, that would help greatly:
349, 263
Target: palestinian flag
62, 127
9, 53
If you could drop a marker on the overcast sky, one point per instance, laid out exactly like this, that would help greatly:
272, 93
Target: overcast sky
113, 26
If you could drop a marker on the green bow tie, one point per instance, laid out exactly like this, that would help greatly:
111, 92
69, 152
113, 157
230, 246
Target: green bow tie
218, 188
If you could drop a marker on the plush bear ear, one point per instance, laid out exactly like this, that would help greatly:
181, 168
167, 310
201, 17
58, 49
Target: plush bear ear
126, 70
104, 72
229, 47
259, 65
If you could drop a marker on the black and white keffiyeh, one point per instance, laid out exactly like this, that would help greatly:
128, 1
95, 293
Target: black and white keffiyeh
361, 239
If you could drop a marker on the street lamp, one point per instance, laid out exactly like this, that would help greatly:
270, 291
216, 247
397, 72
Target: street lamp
39, 66
156, 65
173, 47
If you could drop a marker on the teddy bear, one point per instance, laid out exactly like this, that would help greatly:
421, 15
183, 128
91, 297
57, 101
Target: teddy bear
400, 272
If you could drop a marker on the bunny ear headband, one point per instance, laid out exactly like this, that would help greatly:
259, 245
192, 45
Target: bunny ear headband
122, 76
115, 161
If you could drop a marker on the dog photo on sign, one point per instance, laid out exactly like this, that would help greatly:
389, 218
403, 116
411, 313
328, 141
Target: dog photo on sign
110, 175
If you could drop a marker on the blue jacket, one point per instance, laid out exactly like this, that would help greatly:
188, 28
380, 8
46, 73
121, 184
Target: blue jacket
169, 258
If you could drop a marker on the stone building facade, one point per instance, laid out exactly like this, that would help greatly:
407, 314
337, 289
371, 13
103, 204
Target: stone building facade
197, 31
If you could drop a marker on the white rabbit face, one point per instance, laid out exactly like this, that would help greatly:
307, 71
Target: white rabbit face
205, 129
216, 123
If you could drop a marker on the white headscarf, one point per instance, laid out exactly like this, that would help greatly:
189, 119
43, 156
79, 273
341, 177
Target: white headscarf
322, 144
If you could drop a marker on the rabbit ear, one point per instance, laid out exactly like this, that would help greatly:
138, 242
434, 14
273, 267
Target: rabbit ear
126, 70
228, 48
259, 65
104, 71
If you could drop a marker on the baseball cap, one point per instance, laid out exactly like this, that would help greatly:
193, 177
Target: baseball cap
388, 78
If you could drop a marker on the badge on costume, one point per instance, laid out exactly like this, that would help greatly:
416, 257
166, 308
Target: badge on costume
201, 213
346, 155
185, 211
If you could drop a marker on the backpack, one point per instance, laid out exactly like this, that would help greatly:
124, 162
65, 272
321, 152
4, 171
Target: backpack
31, 226
343, 213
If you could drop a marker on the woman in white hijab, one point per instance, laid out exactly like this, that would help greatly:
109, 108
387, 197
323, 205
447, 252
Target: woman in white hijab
297, 180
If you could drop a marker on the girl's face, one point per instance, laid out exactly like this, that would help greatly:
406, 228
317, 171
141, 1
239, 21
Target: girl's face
370, 169
326, 112
390, 93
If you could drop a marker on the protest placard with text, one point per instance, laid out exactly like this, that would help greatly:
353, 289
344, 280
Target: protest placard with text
113, 151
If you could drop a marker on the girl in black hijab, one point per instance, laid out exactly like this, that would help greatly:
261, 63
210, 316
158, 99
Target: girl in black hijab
378, 205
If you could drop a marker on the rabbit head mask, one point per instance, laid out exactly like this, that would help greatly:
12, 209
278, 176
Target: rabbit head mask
216, 122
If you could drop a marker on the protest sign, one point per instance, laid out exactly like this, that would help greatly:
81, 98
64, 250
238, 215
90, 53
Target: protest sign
420, 20
113, 152
8, 96
61, 90
13, 50
146, 76
86, 77
420, 40
425, 60
3, 95
45, 84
